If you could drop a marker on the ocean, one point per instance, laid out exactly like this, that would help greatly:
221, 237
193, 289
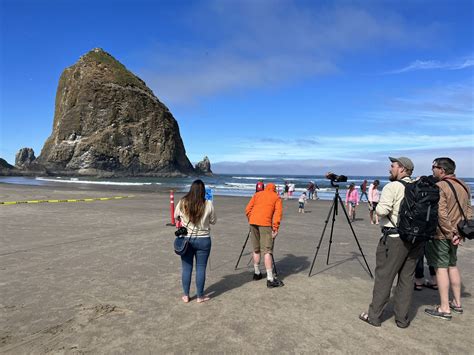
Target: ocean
220, 184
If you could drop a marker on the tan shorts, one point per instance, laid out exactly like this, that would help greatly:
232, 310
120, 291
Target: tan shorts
261, 239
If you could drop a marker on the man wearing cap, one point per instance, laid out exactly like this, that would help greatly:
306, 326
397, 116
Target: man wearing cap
394, 256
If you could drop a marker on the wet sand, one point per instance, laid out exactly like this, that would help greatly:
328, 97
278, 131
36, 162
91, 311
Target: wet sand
101, 277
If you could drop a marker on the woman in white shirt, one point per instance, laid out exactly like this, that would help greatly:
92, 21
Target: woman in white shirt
196, 214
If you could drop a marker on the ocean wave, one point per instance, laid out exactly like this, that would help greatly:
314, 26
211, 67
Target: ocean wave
253, 178
77, 181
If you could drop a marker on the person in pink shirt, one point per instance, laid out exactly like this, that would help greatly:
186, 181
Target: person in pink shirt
352, 200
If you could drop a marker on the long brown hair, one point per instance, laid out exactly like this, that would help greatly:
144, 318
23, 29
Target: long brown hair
194, 202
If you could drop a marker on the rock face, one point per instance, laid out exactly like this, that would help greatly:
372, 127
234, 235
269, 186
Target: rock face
6, 169
24, 158
203, 167
107, 122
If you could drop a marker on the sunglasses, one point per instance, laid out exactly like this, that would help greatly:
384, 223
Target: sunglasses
435, 167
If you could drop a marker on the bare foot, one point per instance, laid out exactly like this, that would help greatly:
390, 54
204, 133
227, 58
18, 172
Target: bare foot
203, 299
185, 299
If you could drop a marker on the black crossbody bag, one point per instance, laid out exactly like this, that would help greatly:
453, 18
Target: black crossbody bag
181, 241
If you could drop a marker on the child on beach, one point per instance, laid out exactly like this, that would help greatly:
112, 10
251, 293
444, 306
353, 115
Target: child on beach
301, 202
352, 200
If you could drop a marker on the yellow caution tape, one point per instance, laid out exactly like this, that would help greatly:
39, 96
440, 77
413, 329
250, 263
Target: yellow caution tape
67, 200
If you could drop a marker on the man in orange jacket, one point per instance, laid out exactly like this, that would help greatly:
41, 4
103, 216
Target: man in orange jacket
264, 212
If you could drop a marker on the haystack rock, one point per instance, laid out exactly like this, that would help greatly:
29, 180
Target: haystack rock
107, 122
203, 167
24, 157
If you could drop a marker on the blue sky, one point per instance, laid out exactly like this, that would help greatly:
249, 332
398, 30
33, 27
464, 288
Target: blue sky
262, 86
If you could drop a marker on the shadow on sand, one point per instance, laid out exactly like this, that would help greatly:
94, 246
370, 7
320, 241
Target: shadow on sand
288, 265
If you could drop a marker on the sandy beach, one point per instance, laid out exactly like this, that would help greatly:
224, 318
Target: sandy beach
101, 277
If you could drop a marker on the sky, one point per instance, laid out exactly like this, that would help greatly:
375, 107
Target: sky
275, 87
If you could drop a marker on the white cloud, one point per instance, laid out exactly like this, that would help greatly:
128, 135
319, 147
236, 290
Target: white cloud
447, 108
435, 64
267, 43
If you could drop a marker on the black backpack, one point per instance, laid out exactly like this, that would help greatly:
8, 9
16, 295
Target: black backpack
418, 217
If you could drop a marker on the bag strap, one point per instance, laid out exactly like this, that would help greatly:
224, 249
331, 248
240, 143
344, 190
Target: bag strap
192, 233
456, 196
186, 226
459, 182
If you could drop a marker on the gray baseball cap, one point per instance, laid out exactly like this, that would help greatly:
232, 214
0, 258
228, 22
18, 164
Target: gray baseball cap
403, 161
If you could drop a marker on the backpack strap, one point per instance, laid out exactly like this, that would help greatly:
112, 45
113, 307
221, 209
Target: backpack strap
456, 196
404, 183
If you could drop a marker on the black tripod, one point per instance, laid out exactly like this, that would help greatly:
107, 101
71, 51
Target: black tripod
243, 248
334, 211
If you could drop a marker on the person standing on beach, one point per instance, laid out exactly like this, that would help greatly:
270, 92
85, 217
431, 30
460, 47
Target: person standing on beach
454, 204
291, 189
374, 197
315, 193
352, 200
196, 214
310, 189
264, 212
286, 190
394, 256
363, 191
260, 186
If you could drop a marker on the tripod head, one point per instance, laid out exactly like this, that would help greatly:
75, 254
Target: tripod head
336, 178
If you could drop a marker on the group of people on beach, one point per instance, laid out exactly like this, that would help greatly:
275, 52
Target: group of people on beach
372, 198
394, 256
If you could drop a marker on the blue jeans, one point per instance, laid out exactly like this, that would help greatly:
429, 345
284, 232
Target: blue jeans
199, 248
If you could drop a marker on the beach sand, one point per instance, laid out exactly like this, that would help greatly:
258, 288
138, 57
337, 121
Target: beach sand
102, 277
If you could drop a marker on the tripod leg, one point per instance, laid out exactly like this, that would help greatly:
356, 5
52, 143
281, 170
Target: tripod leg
355, 237
275, 271
322, 235
332, 229
243, 248
273, 260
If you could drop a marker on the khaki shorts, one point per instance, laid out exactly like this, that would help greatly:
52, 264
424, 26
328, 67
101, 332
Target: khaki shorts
441, 253
261, 239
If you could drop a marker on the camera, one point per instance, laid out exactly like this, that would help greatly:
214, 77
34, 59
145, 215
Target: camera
181, 232
336, 178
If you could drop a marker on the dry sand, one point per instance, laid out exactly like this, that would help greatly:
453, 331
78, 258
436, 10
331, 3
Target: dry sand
101, 277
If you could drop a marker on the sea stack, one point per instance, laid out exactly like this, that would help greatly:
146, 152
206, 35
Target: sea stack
107, 122
24, 158
203, 167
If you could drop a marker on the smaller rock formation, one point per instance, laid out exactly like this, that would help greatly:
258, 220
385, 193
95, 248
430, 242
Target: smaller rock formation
203, 167
5, 168
24, 158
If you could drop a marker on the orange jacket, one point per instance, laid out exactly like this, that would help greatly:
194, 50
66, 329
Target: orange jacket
265, 208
